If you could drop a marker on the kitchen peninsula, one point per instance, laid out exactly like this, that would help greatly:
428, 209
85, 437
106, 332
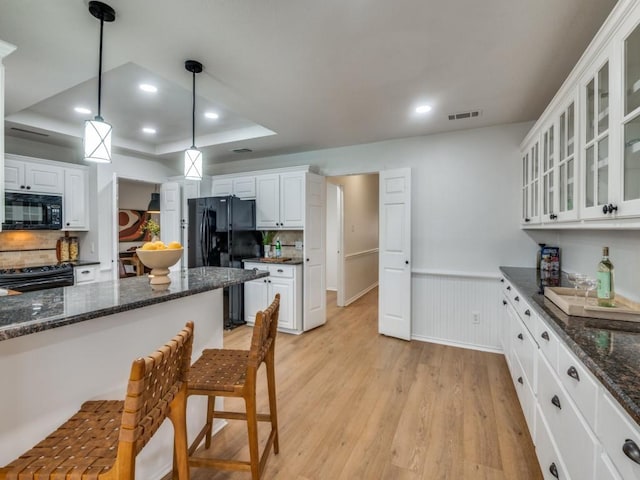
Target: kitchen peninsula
63, 346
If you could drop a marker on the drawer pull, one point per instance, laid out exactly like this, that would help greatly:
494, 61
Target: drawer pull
631, 450
520, 336
520, 381
545, 335
84, 272
504, 302
502, 280
509, 288
573, 373
554, 470
556, 401
517, 299
280, 270
527, 312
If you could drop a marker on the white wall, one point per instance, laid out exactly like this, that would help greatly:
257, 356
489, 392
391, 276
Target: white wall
332, 237
465, 218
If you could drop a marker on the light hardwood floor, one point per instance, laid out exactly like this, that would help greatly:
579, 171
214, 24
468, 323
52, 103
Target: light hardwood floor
353, 404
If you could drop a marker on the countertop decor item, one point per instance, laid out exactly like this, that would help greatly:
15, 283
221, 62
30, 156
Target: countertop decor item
153, 228
159, 262
193, 156
586, 306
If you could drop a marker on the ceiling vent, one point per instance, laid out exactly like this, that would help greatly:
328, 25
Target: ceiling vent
242, 150
463, 115
29, 131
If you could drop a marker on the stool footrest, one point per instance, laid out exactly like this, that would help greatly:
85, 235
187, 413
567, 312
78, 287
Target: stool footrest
219, 463
262, 417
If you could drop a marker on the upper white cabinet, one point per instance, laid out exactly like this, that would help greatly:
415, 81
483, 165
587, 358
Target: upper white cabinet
76, 199
29, 177
589, 137
241, 187
280, 200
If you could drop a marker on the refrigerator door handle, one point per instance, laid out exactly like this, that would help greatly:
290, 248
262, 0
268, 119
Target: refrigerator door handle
203, 244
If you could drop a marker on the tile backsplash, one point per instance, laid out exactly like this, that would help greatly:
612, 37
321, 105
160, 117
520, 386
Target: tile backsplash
22, 248
288, 239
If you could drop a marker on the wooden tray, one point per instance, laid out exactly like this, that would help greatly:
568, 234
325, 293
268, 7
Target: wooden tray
275, 259
566, 300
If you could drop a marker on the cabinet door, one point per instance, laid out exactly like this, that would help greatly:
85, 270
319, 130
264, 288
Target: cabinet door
268, 201
548, 175
222, 187
292, 200
244, 187
596, 169
43, 178
76, 205
526, 172
284, 287
255, 298
567, 164
630, 169
14, 175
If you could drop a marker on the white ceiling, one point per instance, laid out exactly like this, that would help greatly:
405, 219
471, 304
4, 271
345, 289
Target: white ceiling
318, 74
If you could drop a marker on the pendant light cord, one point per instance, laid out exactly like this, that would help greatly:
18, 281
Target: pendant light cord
99, 117
193, 114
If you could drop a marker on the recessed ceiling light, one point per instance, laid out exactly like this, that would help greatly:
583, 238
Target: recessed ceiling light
212, 115
145, 87
149, 130
82, 110
423, 109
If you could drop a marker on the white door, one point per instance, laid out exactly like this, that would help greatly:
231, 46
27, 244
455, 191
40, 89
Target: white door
268, 201
170, 204
315, 295
292, 194
394, 295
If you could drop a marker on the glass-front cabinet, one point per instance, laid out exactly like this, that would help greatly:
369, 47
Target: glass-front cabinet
630, 171
548, 175
530, 214
566, 168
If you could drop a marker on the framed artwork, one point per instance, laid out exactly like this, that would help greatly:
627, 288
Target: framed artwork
130, 223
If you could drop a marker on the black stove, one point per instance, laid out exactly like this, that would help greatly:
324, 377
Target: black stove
27, 279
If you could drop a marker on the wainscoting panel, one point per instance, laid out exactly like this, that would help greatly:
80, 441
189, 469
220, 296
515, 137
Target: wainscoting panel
360, 274
443, 307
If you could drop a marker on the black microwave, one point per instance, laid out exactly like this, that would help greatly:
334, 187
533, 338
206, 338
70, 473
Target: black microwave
29, 211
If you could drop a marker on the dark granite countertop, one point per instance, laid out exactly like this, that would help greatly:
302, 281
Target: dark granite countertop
293, 261
32, 312
609, 348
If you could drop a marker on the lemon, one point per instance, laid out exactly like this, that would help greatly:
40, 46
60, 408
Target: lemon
149, 246
174, 245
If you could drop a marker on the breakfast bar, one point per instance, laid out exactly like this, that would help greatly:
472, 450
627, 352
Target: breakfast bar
63, 346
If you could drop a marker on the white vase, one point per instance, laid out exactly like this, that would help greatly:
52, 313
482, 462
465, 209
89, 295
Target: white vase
267, 251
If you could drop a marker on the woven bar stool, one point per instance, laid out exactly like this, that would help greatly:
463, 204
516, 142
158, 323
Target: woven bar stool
102, 439
232, 373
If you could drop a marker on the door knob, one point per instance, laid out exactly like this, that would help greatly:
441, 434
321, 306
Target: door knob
406, 262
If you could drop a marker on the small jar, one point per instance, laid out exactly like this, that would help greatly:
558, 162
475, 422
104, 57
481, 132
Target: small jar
74, 249
63, 249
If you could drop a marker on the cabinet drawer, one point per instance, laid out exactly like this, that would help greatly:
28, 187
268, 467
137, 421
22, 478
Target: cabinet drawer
548, 455
524, 350
283, 271
576, 443
548, 343
579, 383
614, 428
85, 274
527, 398
528, 316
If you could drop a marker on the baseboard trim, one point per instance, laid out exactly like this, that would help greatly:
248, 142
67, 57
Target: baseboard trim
469, 346
360, 294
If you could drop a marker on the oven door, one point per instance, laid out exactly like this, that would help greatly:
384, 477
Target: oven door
26, 211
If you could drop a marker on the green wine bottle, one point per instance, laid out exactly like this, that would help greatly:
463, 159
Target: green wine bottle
605, 289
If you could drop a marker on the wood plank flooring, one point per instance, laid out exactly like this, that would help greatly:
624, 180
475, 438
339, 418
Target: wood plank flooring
353, 404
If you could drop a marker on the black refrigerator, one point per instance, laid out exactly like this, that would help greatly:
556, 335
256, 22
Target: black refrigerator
222, 232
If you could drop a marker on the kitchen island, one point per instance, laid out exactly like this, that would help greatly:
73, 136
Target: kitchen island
63, 346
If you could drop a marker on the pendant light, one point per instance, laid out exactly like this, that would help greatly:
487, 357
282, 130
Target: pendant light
97, 133
154, 204
193, 156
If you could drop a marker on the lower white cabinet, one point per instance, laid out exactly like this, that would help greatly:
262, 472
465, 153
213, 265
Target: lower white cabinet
85, 274
283, 279
550, 462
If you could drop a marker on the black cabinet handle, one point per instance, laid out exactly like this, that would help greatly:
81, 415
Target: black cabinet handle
556, 401
553, 216
28, 187
22, 186
631, 450
517, 299
609, 208
527, 220
502, 280
527, 312
504, 302
573, 373
520, 381
280, 270
84, 272
307, 259
545, 335
509, 288
520, 336
553, 470
406, 262
265, 280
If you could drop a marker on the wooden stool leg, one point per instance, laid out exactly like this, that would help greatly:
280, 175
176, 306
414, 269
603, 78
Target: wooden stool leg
178, 417
211, 406
273, 409
252, 431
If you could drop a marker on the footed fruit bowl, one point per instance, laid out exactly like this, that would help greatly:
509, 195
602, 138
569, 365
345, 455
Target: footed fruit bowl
159, 262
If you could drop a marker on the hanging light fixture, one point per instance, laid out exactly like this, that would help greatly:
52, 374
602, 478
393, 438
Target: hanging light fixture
154, 204
97, 133
193, 156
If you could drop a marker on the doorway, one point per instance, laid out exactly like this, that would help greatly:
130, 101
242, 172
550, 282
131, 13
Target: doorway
352, 236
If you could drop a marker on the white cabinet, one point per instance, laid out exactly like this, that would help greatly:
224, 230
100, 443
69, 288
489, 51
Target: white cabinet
85, 274
76, 199
241, 187
32, 177
280, 201
283, 279
531, 184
